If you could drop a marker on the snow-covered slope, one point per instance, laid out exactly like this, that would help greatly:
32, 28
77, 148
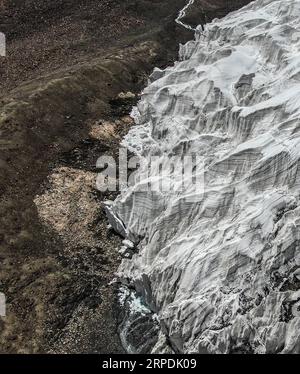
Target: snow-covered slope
220, 266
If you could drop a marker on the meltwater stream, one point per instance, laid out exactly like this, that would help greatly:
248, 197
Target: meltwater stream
218, 265
182, 14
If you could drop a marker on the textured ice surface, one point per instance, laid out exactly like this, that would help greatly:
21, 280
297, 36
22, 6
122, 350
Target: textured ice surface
222, 270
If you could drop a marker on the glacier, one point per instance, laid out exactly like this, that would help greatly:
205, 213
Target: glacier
220, 265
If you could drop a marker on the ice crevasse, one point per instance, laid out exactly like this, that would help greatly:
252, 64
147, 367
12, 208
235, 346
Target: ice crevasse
221, 265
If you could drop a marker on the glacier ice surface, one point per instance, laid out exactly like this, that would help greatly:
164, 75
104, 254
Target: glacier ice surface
220, 267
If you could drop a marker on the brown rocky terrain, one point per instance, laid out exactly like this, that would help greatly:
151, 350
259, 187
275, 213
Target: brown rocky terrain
60, 109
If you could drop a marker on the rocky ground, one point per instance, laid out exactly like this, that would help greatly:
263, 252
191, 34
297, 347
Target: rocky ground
60, 109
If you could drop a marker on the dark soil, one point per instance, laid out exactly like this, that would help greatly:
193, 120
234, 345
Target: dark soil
46, 35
